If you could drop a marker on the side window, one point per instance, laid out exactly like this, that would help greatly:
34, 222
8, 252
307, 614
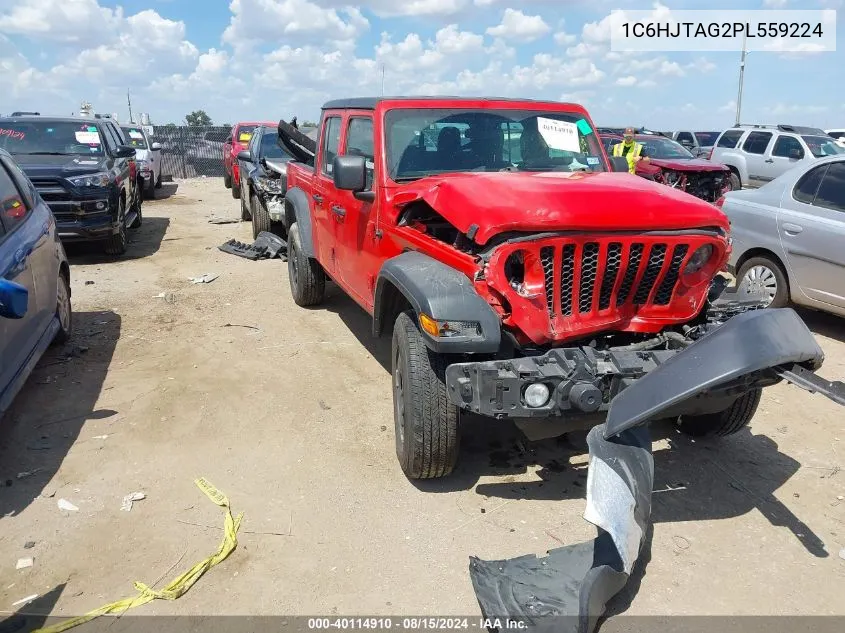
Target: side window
13, 208
111, 141
331, 144
22, 181
757, 142
730, 138
360, 140
831, 194
785, 145
685, 136
121, 138
807, 186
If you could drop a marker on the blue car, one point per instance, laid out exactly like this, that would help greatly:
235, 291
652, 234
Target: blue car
34, 280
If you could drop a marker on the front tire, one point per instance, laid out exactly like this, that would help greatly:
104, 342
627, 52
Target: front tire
118, 243
260, 216
64, 312
764, 275
736, 183
158, 180
426, 422
723, 423
227, 180
246, 216
307, 278
236, 189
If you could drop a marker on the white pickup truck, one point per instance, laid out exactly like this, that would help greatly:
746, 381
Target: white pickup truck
147, 157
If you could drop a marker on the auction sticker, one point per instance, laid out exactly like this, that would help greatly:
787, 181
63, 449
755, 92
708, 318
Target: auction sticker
89, 138
559, 135
135, 134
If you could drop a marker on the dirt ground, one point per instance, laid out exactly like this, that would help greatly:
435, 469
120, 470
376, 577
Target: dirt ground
291, 418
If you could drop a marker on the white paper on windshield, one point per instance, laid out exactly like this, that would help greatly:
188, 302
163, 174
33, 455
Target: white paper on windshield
92, 138
559, 135
134, 134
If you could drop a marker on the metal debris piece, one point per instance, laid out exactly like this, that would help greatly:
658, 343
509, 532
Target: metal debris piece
223, 221
126, 506
266, 246
842, 553
28, 473
207, 278
29, 545
25, 600
64, 504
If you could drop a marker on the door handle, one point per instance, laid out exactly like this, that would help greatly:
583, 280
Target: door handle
792, 229
317, 198
338, 211
770, 160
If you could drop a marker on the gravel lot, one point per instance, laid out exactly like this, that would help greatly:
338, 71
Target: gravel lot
291, 417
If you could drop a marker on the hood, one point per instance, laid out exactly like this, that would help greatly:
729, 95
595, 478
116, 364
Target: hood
556, 201
39, 165
276, 166
143, 154
693, 164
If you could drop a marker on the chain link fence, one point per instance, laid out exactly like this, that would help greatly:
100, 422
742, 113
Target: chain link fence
191, 151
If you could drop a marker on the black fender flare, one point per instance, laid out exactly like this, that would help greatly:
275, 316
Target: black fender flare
442, 293
296, 207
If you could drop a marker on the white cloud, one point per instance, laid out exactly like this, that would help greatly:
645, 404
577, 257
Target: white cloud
628, 80
783, 109
564, 39
450, 41
730, 106
409, 8
518, 26
775, 4
61, 20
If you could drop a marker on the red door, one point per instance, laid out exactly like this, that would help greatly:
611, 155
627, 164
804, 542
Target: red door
324, 192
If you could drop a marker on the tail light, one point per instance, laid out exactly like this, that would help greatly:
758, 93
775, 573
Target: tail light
710, 153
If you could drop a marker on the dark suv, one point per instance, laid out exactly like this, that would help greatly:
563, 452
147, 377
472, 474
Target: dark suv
84, 170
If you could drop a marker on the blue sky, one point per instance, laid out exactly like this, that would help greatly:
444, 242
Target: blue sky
268, 59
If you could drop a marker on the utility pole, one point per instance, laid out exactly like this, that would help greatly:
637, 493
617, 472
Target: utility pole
131, 120
741, 79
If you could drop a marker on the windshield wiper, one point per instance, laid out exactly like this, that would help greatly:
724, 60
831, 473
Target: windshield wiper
43, 153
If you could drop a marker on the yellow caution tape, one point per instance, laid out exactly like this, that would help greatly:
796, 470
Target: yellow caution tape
178, 586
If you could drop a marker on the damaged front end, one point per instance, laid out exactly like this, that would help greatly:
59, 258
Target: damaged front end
271, 188
569, 589
706, 185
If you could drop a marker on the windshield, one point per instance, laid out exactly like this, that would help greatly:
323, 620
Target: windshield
245, 133
823, 146
425, 141
50, 137
270, 149
662, 147
135, 137
706, 139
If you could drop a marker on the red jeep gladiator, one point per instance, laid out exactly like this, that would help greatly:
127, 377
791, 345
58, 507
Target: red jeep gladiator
524, 274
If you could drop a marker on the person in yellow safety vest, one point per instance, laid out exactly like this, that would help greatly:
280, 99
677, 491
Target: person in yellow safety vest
630, 149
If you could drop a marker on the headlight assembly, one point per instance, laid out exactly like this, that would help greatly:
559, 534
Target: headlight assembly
270, 185
699, 259
102, 179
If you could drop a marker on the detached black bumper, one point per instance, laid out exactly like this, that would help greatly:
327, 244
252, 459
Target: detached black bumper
582, 380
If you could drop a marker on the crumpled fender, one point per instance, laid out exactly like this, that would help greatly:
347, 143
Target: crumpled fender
747, 343
567, 591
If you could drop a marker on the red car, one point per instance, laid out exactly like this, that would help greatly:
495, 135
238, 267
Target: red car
237, 140
672, 164
518, 276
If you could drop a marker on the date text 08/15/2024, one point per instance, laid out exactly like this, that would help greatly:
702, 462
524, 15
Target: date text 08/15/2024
417, 623
722, 29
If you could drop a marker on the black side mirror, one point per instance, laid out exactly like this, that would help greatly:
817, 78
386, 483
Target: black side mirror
349, 172
124, 151
245, 155
796, 153
619, 163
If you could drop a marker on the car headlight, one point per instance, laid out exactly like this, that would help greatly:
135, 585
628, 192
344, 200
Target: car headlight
271, 185
699, 259
102, 179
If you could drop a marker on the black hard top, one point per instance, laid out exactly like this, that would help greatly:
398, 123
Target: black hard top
370, 103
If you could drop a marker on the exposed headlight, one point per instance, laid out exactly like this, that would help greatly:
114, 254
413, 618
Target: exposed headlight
272, 185
450, 329
102, 179
699, 258
536, 395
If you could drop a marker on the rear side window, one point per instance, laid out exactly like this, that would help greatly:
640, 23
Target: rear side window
831, 193
785, 144
730, 138
808, 185
13, 207
757, 142
331, 143
685, 136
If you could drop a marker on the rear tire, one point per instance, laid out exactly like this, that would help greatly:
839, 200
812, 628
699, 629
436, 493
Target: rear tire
731, 420
426, 422
307, 278
158, 180
64, 312
117, 243
236, 190
260, 216
227, 180
769, 276
736, 183
246, 216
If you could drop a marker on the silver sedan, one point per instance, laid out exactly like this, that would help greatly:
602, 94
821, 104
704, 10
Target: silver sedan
789, 236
